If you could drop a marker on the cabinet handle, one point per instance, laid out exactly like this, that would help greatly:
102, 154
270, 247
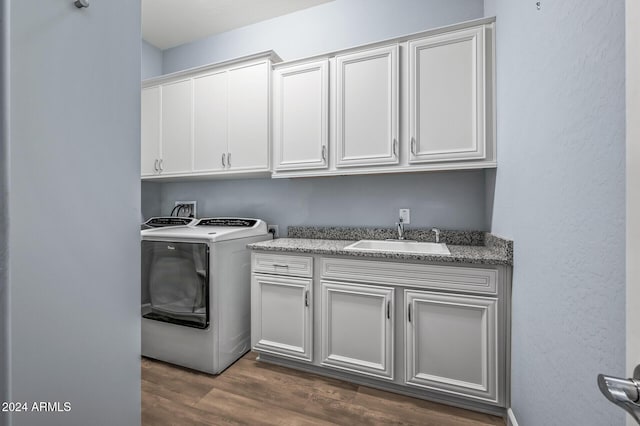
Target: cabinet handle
389, 309
229, 159
160, 165
223, 161
413, 146
395, 147
155, 166
409, 311
324, 152
280, 265
306, 298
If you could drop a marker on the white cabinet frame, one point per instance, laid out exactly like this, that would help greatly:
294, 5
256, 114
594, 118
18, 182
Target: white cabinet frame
291, 320
337, 351
417, 364
419, 145
348, 117
301, 116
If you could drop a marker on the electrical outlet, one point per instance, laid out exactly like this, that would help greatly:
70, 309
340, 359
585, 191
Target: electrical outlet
188, 209
405, 215
274, 230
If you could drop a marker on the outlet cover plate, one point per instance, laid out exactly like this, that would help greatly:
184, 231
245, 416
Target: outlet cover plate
274, 230
193, 205
405, 215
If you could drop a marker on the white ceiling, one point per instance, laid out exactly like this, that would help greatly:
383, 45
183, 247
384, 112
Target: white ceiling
170, 23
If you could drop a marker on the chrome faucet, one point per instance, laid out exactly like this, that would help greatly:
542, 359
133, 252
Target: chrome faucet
437, 232
400, 226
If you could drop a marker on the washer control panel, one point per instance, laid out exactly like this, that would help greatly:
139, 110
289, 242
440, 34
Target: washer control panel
227, 221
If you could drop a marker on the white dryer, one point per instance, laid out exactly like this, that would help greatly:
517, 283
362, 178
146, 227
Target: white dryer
196, 282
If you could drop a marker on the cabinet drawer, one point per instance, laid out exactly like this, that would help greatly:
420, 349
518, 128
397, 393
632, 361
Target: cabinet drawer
282, 264
473, 280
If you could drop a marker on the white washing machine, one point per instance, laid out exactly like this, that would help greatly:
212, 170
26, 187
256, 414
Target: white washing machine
196, 282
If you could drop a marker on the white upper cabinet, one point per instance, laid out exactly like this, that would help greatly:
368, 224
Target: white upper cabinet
300, 116
248, 119
447, 97
210, 122
367, 107
176, 127
416, 103
150, 138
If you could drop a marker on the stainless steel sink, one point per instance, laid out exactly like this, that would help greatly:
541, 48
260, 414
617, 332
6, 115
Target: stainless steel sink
399, 246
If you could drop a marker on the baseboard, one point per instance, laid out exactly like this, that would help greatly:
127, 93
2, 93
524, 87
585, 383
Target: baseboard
511, 418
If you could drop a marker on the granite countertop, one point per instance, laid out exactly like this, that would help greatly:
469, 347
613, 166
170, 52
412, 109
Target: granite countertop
485, 248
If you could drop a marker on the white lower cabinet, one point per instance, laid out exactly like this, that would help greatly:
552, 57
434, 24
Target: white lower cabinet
451, 343
357, 328
434, 331
281, 317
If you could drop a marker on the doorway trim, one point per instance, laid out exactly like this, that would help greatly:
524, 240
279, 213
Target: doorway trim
632, 46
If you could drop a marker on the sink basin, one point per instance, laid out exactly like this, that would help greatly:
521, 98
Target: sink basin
398, 246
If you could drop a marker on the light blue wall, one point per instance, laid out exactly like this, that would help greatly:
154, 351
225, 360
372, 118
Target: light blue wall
559, 194
4, 306
446, 199
450, 200
151, 65
74, 209
331, 26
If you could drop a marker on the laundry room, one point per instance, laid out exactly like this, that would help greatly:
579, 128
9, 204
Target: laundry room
319, 212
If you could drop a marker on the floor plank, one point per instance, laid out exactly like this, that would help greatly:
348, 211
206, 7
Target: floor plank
255, 393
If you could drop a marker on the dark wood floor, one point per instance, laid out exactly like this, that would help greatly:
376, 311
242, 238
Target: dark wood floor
255, 393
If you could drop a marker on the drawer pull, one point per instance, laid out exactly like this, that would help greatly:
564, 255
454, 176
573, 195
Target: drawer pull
280, 265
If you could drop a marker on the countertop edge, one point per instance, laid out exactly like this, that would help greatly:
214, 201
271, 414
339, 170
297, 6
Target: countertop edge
484, 256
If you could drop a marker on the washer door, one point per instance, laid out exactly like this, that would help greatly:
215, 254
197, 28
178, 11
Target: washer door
176, 279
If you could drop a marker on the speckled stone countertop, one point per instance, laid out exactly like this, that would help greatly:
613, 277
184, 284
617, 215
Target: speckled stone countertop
485, 248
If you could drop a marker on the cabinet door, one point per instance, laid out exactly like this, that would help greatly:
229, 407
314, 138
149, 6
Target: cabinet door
281, 316
150, 131
357, 328
447, 97
210, 122
451, 343
367, 107
249, 118
301, 109
177, 149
